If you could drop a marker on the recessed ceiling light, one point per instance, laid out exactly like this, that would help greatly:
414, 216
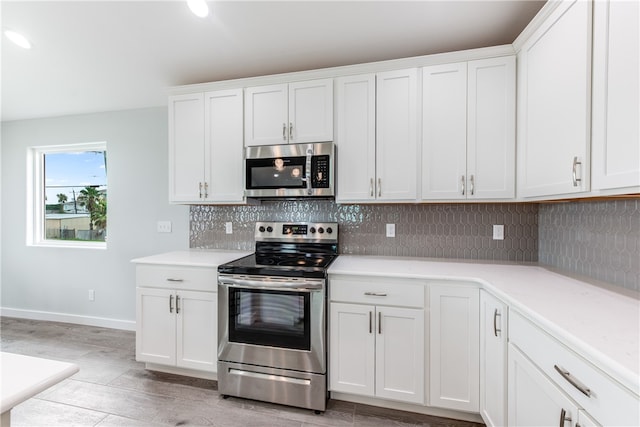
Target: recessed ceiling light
198, 7
18, 39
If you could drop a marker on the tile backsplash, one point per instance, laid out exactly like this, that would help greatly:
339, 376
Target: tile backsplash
600, 240
428, 230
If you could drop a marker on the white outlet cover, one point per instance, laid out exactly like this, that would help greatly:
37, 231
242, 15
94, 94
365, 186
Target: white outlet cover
498, 232
391, 230
228, 227
164, 226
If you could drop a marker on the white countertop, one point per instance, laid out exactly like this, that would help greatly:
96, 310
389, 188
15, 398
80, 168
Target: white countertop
22, 377
193, 257
602, 325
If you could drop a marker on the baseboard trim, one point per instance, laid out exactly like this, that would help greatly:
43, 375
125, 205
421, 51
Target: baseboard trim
182, 371
104, 322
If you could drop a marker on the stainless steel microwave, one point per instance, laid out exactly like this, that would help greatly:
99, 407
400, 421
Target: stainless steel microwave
290, 170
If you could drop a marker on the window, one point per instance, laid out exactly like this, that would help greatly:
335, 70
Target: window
68, 206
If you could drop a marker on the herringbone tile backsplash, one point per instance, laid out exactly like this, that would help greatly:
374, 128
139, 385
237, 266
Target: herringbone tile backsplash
435, 230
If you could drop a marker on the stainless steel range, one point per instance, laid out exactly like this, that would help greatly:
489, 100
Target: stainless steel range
272, 316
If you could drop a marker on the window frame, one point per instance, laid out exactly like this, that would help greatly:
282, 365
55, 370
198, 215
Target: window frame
36, 199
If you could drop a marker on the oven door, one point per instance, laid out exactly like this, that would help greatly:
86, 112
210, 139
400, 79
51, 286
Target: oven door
273, 322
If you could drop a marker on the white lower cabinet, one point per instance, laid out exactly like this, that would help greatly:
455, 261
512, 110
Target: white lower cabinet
533, 399
454, 337
176, 327
493, 360
377, 350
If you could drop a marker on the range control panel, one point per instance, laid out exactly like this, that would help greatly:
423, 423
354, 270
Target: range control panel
291, 231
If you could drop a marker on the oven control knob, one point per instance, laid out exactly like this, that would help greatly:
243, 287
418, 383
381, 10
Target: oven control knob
261, 229
329, 230
320, 230
269, 229
312, 230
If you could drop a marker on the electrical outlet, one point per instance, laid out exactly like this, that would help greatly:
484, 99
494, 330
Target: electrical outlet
228, 227
164, 226
391, 230
92, 295
498, 232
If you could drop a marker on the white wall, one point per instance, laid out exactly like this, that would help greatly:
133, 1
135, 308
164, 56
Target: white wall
53, 283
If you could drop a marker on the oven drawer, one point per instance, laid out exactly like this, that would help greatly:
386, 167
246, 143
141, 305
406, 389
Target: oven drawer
177, 277
378, 291
608, 401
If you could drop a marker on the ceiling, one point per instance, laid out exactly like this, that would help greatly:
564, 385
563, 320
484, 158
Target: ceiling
91, 56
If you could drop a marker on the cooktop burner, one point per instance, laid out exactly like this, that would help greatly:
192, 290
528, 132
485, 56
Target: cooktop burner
290, 250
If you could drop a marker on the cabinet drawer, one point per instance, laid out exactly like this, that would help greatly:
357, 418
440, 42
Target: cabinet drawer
378, 291
176, 277
609, 402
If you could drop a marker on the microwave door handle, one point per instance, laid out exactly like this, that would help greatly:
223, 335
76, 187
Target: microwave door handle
308, 171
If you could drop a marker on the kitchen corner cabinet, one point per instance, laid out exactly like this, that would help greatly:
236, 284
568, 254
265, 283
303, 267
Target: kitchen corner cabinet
468, 130
376, 339
377, 140
299, 112
553, 119
175, 325
205, 147
454, 337
616, 95
493, 360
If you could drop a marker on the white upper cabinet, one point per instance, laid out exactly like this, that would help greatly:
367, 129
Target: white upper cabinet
397, 135
616, 95
377, 137
205, 148
356, 138
468, 130
554, 104
298, 112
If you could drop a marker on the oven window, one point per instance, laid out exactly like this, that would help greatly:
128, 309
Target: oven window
271, 318
287, 172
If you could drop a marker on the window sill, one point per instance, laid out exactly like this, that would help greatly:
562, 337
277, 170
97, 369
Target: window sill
68, 244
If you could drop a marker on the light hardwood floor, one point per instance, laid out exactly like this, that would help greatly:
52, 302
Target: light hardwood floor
112, 389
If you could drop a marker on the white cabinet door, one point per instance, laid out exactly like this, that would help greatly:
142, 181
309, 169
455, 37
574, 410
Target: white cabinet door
155, 326
616, 94
197, 330
224, 149
584, 420
352, 348
396, 135
553, 104
186, 147
400, 354
356, 138
444, 131
311, 111
491, 129
493, 360
533, 399
454, 347
266, 115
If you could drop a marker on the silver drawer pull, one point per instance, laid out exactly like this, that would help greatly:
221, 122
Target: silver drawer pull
175, 280
375, 294
573, 381
563, 417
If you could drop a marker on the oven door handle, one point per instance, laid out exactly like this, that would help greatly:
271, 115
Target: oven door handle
305, 286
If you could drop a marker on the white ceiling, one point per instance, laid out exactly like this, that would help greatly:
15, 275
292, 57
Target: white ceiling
90, 56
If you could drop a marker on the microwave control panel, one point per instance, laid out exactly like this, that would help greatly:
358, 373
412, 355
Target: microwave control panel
320, 172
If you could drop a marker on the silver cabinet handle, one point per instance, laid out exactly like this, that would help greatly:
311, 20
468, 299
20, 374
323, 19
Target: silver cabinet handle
177, 304
379, 187
371, 187
379, 322
174, 280
375, 294
563, 417
495, 322
473, 185
170, 303
370, 322
576, 180
206, 189
284, 131
573, 381
200, 190
463, 185
290, 131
